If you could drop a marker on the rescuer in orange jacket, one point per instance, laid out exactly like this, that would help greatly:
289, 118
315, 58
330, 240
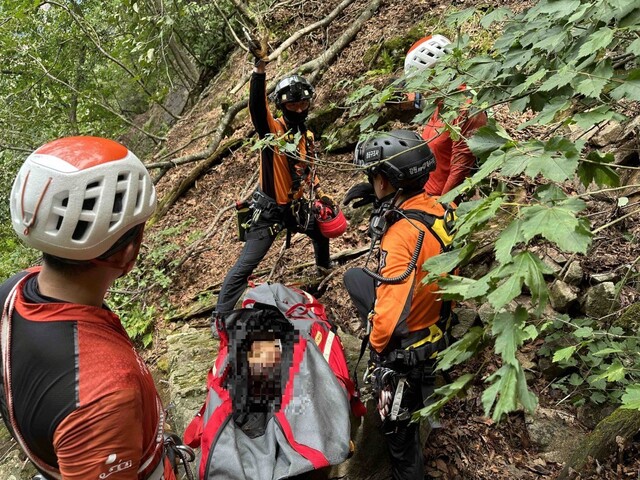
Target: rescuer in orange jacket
278, 201
408, 320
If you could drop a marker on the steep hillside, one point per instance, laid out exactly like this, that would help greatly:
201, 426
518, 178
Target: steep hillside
203, 225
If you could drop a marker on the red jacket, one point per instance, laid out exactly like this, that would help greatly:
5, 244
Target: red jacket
454, 160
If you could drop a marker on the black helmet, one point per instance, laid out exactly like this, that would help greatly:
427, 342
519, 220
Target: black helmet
402, 156
292, 88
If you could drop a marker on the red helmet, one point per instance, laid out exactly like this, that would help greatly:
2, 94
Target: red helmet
331, 224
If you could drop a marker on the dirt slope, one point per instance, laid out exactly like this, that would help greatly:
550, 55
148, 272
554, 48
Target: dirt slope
470, 446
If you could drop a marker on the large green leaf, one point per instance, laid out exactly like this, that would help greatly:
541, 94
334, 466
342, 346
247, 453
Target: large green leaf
598, 40
487, 139
557, 224
507, 291
561, 78
629, 87
453, 287
508, 328
461, 350
595, 81
551, 165
599, 172
495, 15
602, 113
446, 393
614, 373
509, 387
533, 270
508, 239
446, 262
483, 211
631, 397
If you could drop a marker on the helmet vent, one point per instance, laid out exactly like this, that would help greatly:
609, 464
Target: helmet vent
117, 203
403, 143
80, 230
65, 201
59, 223
93, 185
88, 204
122, 177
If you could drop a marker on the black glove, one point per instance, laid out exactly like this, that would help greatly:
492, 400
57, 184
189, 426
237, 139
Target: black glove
328, 201
363, 191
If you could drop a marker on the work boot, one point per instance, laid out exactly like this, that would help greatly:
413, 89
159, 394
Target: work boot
217, 323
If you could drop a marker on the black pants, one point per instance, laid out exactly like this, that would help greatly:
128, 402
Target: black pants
402, 437
259, 238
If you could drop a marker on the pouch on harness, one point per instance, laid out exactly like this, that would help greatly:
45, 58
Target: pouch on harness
292, 421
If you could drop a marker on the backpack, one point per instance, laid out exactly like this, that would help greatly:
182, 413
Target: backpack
306, 425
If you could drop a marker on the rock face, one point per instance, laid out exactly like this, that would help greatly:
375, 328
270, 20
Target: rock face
600, 300
554, 432
191, 353
563, 296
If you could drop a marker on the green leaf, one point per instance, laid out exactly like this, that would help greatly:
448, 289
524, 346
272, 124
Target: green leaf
599, 172
614, 373
548, 113
586, 120
458, 18
446, 262
605, 352
548, 163
509, 386
561, 78
629, 88
634, 47
576, 380
507, 291
508, 239
533, 270
489, 166
487, 139
508, 328
368, 121
453, 287
583, 332
446, 393
516, 160
461, 350
482, 211
599, 39
531, 79
495, 15
594, 83
631, 397
564, 353
557, 224
559, 8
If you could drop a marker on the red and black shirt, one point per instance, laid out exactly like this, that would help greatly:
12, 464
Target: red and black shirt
82, 399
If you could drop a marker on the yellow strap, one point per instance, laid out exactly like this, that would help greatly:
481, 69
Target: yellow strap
435, 334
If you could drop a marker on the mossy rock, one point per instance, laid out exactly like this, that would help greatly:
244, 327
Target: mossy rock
602, 442
630, 319
323, 118
389, 55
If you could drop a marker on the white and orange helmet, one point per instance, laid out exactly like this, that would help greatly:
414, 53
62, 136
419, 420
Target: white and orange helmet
425, 53
75, 197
